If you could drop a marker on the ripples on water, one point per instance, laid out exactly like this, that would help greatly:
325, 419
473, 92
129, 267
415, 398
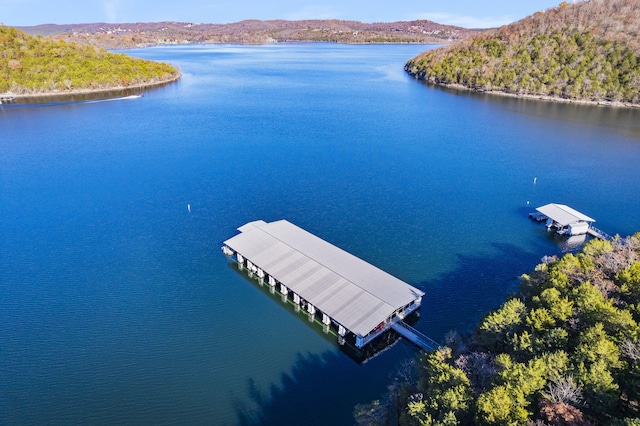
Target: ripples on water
116, 304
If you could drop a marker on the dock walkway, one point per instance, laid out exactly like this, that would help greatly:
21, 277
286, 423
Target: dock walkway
597, 233
414, 336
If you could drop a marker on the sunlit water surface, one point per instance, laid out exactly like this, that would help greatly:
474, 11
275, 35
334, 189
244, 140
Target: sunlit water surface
116, 304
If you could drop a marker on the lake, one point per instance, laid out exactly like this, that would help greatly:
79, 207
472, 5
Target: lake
116, 303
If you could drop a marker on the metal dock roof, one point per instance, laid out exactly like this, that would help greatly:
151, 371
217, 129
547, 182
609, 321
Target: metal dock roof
353, 292
563, 215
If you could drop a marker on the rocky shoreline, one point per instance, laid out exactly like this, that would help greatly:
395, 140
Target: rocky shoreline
539, 97
57, 94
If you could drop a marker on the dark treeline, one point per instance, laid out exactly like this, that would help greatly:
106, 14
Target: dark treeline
584, 51
563, 351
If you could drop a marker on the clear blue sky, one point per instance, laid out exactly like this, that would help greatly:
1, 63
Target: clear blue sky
467, 13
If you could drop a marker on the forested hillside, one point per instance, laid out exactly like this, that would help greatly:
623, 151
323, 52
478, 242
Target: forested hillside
589, 50
33, 65
564, 351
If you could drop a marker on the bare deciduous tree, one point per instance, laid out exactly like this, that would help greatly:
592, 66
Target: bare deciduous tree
565, 390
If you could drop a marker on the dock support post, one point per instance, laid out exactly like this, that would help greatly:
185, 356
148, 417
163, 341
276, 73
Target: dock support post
312, 312
296, 301
284, 291
326, 323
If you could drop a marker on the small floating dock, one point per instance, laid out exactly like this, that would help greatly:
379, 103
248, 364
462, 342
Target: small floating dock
6, 98
356, 298
567, 221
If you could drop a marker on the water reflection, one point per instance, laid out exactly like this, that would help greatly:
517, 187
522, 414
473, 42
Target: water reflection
77, 98
345, 345
623, 120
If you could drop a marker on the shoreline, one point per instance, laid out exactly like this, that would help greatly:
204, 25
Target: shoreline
548, 98
85, 91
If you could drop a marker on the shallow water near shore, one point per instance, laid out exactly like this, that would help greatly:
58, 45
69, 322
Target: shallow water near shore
116, 303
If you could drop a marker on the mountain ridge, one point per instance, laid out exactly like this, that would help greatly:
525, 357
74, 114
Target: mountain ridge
141, 34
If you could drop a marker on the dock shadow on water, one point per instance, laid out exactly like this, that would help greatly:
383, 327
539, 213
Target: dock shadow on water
329, 333
320, 388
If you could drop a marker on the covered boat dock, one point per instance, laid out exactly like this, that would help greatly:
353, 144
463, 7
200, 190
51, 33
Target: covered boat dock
6, 98
348, 293
564, 219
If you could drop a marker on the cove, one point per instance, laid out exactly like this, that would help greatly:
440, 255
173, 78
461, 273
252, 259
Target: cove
116, 303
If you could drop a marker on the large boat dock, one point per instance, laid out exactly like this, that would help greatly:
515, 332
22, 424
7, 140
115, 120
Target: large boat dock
347, 293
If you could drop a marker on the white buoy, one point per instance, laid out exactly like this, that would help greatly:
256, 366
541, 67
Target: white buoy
534, 180
189, 207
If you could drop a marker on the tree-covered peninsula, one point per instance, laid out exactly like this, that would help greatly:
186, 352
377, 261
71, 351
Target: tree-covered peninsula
584, 51
32, 66
565, 350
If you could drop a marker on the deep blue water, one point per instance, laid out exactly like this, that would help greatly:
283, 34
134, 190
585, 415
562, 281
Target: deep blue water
116, 304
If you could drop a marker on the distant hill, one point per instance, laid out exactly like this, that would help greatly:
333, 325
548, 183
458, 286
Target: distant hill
587, 51
119, 36
33, 65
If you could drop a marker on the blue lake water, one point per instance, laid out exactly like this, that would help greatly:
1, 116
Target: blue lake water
116, 304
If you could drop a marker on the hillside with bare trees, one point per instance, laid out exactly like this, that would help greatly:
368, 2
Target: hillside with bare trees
585, 51
128, 35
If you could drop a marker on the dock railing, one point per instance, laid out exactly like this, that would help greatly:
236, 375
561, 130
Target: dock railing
414, 336
595, 232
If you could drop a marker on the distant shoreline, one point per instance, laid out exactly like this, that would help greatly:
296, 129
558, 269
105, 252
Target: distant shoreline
558, 99
87, 91
122, 36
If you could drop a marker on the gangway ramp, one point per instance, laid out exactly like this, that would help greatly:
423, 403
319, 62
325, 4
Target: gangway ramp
595, 232
414, 336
